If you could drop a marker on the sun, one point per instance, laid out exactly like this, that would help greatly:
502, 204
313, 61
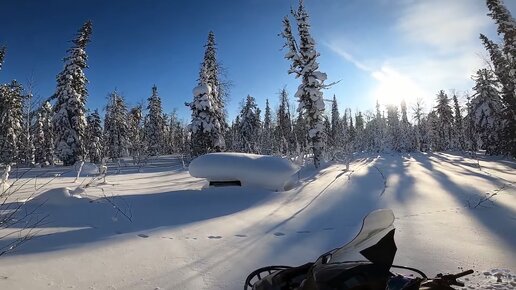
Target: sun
393, 87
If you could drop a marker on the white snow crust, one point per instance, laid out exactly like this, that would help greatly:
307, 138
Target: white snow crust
185, 236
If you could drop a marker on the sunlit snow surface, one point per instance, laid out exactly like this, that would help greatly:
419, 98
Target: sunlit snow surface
182, 236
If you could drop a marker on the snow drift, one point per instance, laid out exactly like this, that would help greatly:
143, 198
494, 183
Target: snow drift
265, 171
61, 196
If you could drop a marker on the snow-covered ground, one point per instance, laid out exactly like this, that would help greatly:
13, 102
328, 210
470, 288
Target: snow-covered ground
185, 237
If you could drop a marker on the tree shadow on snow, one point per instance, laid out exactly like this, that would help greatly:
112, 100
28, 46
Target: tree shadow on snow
337, 217
98, 220
495, 217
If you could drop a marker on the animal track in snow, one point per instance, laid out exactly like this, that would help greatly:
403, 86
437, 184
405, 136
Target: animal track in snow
215, 237
142, 236
279, 234
303, 232
241, 236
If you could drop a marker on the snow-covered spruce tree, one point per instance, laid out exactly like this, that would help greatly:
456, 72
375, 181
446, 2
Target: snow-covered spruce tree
26, 140
407, 138
348, 135
214, 73
304, 65
327, 132
352, 133
154, 124
369, 131
236, 137
250, 125
175, 134
208, 118
445, 122
95, 139
69, 120
230, 138
11, 117
46, 116
379, 129
39, 139
116, 131
393, 128
487, 108
2, 56
180, 144
165, 129
419, 127
335, 137
359, 132
458, 128
504, 61
433, 138
284, 135
44, 136
266, 132
135, 133
472, 137
206, 131
299, 132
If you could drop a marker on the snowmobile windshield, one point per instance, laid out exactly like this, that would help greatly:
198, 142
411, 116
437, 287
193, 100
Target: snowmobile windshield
376, 225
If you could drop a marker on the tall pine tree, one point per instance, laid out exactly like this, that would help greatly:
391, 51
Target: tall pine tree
154, 134
335, 137
445, 122
116, 129
135, 133
208, 123
458, 127
95, 139
284, 135
487, 108
504, 62
11, 118
305, 66
250, 125
69, 120
2, 56
267, 133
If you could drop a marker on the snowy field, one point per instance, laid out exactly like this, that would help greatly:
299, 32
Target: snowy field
182, 236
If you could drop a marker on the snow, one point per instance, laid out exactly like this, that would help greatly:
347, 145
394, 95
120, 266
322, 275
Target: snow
61, 197
185, 237
263, 171
202, 89
88, 169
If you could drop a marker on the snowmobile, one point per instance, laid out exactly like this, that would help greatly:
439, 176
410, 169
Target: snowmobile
345, 268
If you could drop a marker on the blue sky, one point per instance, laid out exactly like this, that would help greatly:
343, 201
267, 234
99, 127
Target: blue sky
385, 49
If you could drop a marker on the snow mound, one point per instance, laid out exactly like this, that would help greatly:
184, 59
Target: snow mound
269, 172
61, 196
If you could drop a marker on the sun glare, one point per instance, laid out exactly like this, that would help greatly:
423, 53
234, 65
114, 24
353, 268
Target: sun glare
393, 87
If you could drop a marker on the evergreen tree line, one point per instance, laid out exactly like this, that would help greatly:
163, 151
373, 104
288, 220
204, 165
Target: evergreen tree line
61, 128
65, 131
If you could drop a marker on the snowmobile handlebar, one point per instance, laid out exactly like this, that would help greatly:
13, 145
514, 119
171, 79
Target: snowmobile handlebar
442, 282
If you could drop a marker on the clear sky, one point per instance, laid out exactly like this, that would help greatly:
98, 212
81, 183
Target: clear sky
385, 49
